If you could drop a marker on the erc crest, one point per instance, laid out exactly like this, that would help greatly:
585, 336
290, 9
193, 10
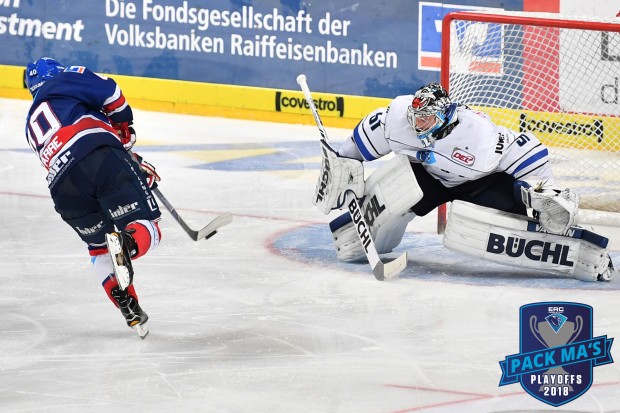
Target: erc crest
557, 352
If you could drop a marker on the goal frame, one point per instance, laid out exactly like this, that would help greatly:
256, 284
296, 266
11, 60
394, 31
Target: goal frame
567, 22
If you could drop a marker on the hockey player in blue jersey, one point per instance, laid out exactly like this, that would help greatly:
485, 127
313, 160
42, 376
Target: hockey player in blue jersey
79, 125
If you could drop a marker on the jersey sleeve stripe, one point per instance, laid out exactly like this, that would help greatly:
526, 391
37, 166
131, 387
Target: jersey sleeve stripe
361, 146
115, 103
116, 106
534, 158
524, 155
532, 172
115, 96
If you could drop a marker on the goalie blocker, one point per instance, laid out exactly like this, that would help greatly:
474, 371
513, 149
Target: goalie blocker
514, 240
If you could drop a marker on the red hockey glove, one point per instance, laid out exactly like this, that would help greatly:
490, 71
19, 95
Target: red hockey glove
151, 176
126, 133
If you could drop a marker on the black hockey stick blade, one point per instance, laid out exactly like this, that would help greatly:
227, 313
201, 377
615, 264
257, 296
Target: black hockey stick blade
389, 270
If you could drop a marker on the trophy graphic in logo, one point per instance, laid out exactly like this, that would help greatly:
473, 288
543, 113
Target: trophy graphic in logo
557, 352
555, 331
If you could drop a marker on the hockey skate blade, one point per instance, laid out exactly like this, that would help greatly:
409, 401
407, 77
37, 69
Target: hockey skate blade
389, 270
120, 271
142, 330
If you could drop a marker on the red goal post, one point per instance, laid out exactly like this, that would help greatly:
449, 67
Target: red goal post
553, 75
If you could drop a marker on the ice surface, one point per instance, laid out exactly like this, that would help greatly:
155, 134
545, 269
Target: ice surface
261, 317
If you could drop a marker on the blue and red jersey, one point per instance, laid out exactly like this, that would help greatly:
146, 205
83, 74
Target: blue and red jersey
70, 117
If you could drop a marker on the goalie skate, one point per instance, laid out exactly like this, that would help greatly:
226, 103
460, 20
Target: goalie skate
608, 273
121, 258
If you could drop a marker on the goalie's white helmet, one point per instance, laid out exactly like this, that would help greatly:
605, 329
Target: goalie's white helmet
429, 112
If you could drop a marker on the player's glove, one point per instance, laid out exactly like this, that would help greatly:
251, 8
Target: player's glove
126, 133
151, 176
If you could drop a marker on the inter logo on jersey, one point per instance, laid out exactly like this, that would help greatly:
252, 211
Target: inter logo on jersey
487, 49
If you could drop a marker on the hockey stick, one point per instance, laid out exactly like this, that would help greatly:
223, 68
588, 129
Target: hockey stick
207, 232
380, 269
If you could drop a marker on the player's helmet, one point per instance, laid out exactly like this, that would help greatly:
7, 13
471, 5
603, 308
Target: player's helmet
40, 71
427, 112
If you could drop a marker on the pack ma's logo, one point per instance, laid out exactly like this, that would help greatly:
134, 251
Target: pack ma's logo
557, 352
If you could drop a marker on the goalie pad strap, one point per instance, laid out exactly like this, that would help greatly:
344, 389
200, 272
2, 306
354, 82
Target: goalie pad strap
390, 192
514, 240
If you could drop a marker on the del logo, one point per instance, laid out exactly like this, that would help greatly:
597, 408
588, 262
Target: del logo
557, 352
463, 157
284, 101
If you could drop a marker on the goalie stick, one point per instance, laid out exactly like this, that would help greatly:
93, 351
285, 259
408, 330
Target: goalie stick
207, 232
380, 269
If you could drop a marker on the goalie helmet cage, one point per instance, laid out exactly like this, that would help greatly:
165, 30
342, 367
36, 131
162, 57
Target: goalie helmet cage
552, 75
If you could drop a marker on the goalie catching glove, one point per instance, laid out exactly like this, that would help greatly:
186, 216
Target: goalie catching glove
338, 175
151, 176
554, 209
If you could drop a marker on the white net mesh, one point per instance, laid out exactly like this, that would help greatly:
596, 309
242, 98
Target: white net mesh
560, 83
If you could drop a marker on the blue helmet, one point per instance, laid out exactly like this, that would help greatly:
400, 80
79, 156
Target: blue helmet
37, 73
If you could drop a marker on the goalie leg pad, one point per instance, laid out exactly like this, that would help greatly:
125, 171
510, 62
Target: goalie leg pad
514, 240
390, 192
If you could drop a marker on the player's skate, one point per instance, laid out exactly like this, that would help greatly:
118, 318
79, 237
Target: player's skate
608, 273
122, 247
135, 317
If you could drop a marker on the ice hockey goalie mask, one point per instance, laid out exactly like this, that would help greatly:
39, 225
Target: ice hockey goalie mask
37, 73
427, 112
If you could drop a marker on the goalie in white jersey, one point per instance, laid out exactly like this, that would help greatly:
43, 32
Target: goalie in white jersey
454, 153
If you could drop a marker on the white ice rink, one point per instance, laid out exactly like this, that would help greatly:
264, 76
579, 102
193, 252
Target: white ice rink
261, 317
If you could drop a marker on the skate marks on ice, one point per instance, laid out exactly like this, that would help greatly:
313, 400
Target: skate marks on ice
429, 260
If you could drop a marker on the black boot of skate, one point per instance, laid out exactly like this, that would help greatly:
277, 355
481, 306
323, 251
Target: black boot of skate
131, 310
122, 247
608, 273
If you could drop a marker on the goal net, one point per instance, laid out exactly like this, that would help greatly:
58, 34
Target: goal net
555, 76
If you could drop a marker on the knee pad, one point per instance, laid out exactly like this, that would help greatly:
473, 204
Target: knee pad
389, 194
147, 236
